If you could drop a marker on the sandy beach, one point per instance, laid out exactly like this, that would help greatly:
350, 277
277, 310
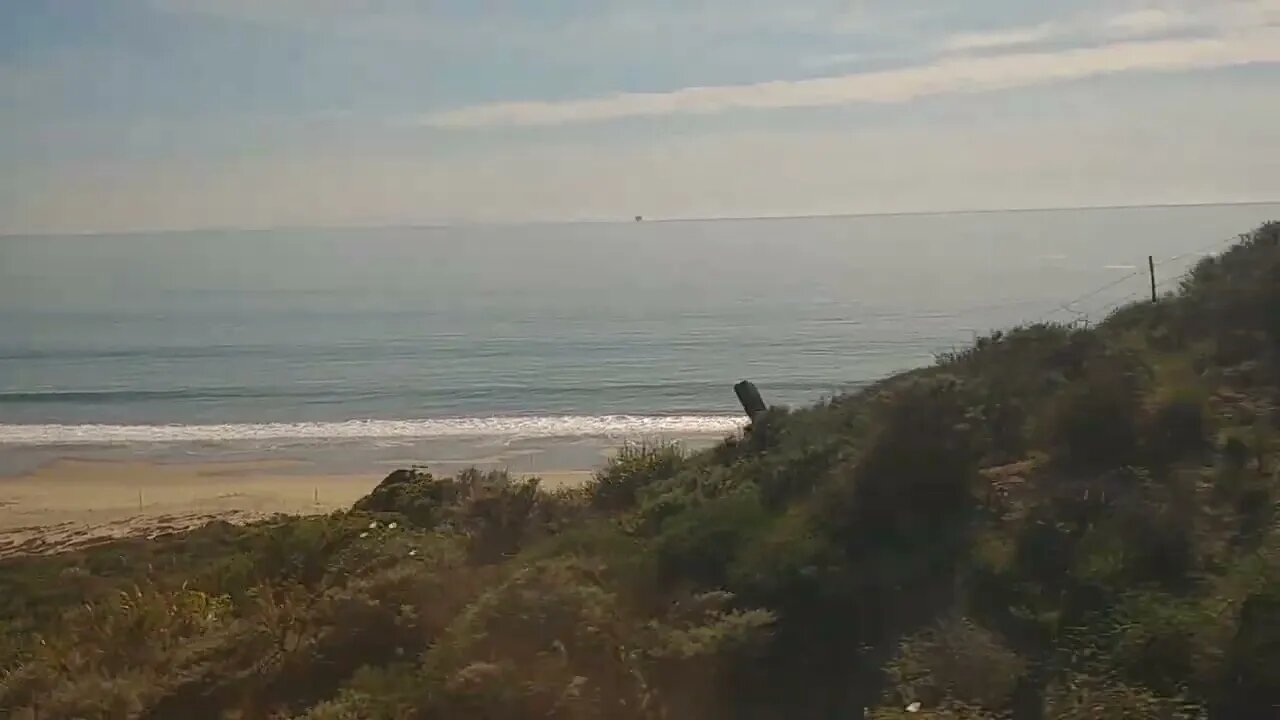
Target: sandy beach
71, 503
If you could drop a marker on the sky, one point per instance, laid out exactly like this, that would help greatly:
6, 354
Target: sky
120, 115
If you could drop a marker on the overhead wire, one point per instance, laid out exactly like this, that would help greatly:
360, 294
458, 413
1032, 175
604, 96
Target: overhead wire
1130, 297
1067, 306
1197, 254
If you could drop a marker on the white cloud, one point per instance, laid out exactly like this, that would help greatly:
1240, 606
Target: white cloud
1248, 13
819, 62
1074, 153
255, 11
275, 11
1149, 21
1159, 19
621, 18
951, 75
1001, 38
1086, 143
1164, 17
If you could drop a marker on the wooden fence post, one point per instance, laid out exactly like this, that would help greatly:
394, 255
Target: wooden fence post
749, 396
1151, 263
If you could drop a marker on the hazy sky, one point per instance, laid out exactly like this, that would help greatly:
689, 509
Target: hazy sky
122, 114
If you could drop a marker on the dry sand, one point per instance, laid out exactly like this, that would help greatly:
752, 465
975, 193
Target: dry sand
75, 503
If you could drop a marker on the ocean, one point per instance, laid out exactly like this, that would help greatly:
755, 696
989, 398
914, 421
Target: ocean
291, 338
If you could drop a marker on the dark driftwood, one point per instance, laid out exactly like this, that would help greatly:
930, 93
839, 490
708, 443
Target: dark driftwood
750, 398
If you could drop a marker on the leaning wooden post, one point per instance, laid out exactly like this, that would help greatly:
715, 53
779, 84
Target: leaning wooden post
752, 404
1151, 265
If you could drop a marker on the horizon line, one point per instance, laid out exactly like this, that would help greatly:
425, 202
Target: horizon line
444, 225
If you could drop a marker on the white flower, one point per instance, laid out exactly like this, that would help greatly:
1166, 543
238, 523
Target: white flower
413, 553
364, 534
392, 526
373, 525
914, 707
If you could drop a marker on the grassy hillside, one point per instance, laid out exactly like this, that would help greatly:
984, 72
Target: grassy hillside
1053, 523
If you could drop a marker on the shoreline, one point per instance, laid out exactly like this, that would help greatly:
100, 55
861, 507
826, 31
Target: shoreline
71, 502
60, 498
357, 455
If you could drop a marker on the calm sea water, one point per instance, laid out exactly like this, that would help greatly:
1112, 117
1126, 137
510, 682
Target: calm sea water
528, 331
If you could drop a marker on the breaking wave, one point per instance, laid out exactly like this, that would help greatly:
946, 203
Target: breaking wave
507, 427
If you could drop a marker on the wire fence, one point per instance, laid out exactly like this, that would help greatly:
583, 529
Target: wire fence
1081, 311
1170, 273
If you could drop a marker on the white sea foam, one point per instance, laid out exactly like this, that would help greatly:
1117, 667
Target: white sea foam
509, 427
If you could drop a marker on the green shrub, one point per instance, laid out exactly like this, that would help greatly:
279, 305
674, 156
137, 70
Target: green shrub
1079, 697
946, 711
1048, 482
415, 494
700, 543
1094, 422
117, 653
497, 512
914, 484
553, 642
1253, 658
635, 466
1178, 429
784, 563
955, 660
1157, 641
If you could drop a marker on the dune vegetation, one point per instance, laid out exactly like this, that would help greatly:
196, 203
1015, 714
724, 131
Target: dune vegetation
1055, 522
